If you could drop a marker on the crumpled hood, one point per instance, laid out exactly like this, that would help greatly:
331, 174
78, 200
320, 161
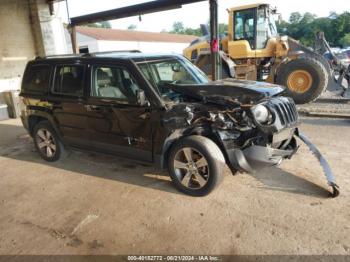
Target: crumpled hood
241, 91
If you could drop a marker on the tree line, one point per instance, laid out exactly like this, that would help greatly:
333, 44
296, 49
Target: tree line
299, 26
179, 28
303, 27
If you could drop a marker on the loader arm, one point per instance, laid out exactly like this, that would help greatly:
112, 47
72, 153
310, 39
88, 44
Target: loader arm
322, 46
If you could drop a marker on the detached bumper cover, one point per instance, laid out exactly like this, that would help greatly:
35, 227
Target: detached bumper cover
323, 162
257, 157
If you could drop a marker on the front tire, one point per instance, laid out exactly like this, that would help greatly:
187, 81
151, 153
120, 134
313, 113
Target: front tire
47, 142
305, 78
196, 165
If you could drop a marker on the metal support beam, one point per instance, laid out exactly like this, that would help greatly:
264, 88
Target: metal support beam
214, 40
73, 37
133, 10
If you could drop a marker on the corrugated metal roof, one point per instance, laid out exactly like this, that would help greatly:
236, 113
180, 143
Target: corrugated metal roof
137, 36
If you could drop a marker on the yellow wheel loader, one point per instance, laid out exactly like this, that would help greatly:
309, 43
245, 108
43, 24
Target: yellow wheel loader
253, 50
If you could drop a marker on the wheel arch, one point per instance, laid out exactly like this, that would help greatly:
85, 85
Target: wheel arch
178, 134
37, 116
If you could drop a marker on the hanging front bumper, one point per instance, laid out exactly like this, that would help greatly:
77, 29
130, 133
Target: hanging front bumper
255, 157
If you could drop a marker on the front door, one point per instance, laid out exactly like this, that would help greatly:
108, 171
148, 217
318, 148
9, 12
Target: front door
117, 122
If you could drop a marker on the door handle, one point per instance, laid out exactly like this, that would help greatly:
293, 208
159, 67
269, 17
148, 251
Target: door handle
132, 140
55, 106
93, 108
145, 115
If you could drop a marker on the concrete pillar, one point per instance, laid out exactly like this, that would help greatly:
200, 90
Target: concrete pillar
27, 30
47, 29
16, 42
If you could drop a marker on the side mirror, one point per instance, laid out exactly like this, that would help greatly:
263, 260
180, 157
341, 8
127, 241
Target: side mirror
141, 98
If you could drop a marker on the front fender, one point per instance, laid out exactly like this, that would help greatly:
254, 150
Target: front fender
170, 140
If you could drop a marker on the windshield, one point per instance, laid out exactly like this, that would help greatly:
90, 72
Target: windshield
265, 26
161, 72
272, 23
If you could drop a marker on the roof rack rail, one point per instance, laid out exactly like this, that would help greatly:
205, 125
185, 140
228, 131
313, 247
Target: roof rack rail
111, 52
57, 56
87, 54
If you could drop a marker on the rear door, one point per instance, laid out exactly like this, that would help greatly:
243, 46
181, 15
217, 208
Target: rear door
117, 122
68, 98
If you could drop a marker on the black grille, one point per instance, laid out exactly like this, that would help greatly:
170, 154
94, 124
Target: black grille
285, 110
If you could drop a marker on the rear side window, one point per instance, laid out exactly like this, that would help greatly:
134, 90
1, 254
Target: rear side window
36, 79
69, 80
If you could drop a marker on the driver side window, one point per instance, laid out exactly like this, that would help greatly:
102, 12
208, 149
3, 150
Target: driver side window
114, 83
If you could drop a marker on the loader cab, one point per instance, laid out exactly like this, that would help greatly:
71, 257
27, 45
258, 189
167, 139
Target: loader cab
251, 28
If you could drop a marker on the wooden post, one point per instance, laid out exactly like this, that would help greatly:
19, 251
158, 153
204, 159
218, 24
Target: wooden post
73, 36
214, 39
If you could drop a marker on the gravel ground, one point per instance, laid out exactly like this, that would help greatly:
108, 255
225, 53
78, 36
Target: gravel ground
330, 103
99, 204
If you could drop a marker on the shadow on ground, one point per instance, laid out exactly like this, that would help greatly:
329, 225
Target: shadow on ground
19, 146
16, 144
277, 179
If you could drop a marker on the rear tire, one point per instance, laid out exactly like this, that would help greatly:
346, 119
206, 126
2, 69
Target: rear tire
196, 165
47, 142
296, 75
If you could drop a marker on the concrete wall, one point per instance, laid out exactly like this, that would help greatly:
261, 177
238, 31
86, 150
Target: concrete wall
27, 30
16, 42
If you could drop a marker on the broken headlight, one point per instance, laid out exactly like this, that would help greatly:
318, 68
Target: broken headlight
220, 120
261, 114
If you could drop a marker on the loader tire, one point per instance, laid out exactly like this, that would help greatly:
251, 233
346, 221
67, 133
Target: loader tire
305, 78
327, 66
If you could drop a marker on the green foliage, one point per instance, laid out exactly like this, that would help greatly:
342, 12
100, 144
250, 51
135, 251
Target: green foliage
223, 28
345, 40
104, 24
179, 28
303, 27
295, 17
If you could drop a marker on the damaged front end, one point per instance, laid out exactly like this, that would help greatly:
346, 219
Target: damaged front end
269, 140
254, 130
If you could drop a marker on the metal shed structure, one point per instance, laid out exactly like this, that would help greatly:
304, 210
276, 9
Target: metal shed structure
152, 7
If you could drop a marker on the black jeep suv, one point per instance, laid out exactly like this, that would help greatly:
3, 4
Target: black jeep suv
159, 109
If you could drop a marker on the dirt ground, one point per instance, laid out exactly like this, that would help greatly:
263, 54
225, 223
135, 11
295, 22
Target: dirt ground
99, 204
